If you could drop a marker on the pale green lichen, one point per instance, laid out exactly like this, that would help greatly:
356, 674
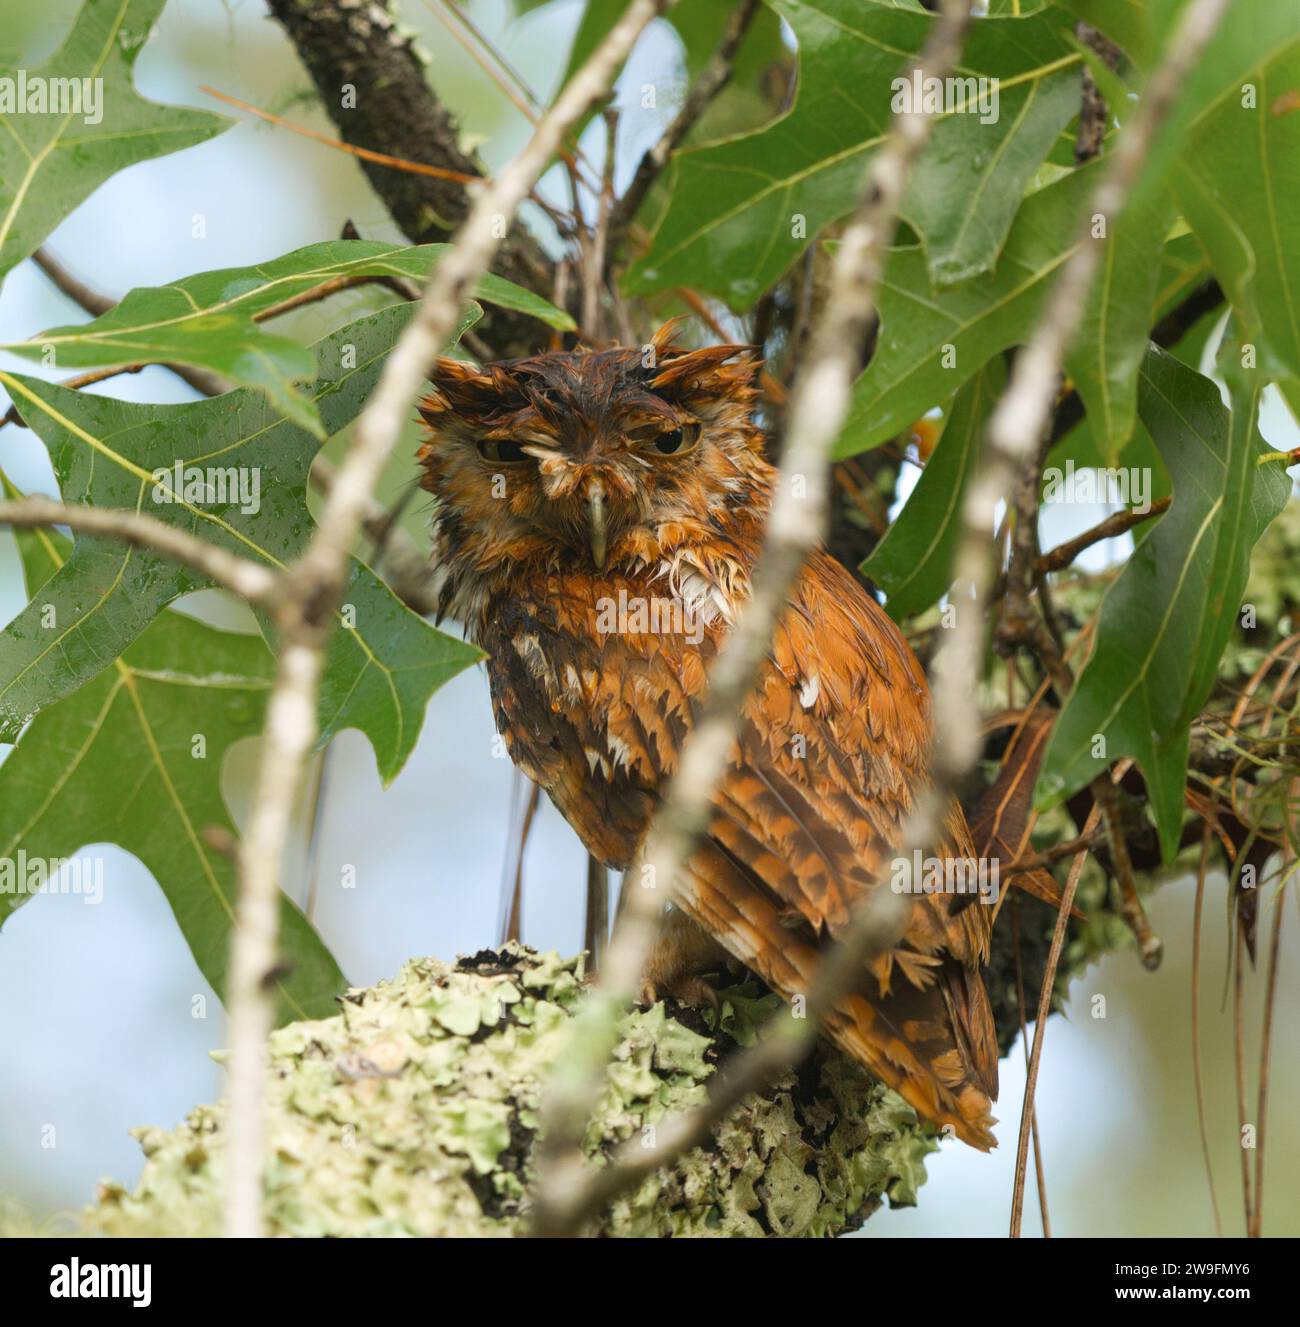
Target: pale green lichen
414, 1112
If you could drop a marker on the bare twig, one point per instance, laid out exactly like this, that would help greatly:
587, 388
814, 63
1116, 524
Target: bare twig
525, 796
248, 579
712, 79
1150, 946
596, 923
95, 303
1040, 1025
1198, 1076
1039, 1173
593, 319
1256, 1227
1239, 1062
567, 1190
474, 42
1064, 554
75, 289
312, 586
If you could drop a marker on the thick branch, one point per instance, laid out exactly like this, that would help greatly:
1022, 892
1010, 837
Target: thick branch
397, 1146
372, 84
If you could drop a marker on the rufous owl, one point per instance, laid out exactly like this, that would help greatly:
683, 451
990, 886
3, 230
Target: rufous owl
576, 492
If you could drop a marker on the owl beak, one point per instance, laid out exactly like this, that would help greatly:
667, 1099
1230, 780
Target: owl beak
596, 523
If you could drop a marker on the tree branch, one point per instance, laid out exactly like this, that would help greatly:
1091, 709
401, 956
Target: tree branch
249, 580
372, 85
712, 79
314, 583
1064, 554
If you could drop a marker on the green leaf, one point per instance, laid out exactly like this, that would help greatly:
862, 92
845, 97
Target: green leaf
1184, 266
383, 662
913, 562
733, 224
1166, 620
51, 162
116, 763
206, 320
1239, 188
934, 339
963, 231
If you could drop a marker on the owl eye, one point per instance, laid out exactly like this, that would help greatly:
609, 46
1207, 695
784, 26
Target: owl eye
677, 441
501, 451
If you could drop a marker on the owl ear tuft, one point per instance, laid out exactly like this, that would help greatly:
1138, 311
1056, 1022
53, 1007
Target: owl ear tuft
663, 342
462, 388
706, 372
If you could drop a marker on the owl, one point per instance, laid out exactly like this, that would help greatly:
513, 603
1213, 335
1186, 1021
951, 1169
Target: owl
598, 517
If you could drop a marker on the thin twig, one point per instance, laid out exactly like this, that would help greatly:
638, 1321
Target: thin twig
479, 49
1256, 1228
1197, 1072
312, 587
1039, 1173
567, 1190
249, 580
75, 289
596, 922
1064, 554
1239, 1061
363, 153
522, 813
1040, 1025
712, 79
593, 320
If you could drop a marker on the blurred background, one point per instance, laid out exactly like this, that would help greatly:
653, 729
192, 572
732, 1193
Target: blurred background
100, 1032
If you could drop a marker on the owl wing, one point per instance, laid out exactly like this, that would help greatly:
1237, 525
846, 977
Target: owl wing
831, 746
804, 826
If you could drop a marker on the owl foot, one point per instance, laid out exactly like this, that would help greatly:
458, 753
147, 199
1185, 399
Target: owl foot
686, 988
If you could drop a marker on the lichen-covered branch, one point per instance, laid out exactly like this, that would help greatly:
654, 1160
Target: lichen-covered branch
414, 1111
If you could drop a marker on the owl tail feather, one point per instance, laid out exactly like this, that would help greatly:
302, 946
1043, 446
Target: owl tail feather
921, 1043
934, 1044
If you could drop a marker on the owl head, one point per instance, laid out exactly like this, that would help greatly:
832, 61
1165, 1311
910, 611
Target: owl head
596, 459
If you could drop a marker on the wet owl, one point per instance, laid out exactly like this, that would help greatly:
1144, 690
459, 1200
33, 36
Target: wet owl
598, 516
